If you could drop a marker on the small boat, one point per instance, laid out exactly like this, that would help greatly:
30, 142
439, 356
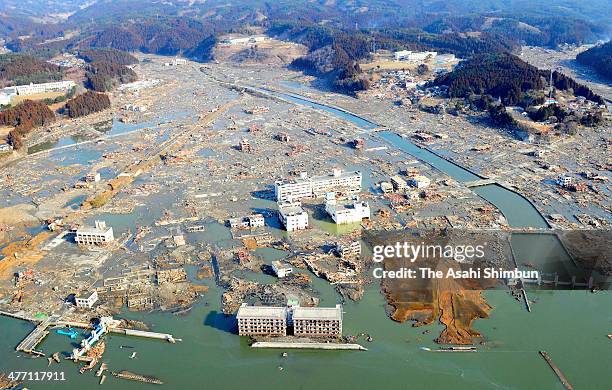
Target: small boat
125, 346
285, 354
133, 355
68, 332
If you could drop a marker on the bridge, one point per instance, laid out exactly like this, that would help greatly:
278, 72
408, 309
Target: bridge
479, 183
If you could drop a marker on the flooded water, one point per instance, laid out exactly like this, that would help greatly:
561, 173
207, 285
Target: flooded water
364, 123
211, 349
114, 128
570, 325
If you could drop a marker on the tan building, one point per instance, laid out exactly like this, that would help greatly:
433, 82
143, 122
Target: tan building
317, 321
262, 320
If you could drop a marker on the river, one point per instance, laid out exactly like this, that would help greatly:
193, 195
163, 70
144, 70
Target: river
570, 325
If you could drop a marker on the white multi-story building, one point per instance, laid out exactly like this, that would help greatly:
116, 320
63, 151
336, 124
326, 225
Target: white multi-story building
57, 86
398, 183
407, 55
5, 99
250, 221
564, 180
292, 216
317, 321
243, 40
100, 234
92, 177
280, 269
348, 249
262, 320
293, 190
419, 181
256, 220
86, 301
305, 187
349, 210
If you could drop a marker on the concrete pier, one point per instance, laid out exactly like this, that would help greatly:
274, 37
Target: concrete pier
30, 342
142, 333
289, 345
557, 371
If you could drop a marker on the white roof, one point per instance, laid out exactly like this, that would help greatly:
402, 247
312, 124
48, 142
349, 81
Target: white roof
262, 312
288, 209
318, 313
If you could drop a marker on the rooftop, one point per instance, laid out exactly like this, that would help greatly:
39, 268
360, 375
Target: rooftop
334, 174
317, 313
262, 312
290, 209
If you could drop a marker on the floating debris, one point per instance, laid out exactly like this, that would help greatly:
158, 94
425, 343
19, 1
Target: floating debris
132, 376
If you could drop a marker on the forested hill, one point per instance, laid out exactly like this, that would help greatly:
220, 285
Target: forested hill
112, 56
23, 69
507, 77
598, 58
502, 76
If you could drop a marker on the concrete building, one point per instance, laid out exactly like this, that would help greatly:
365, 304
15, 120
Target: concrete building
407, 55
337, 181
348, 210
92, 177
280, 269
100, 234
5, 147
292, 216
86, 301
348, 249
386, 187
6, 95
398, 183
256, 220
305, 187
317, 321
419, 181
250, 221
564, 180
245, 146
243, 40
262, 320
5, 99
57, 86
293, 190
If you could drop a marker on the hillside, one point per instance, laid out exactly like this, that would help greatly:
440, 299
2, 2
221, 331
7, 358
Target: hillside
598, 58
108, 55
503, 76
103, 76
24, 69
